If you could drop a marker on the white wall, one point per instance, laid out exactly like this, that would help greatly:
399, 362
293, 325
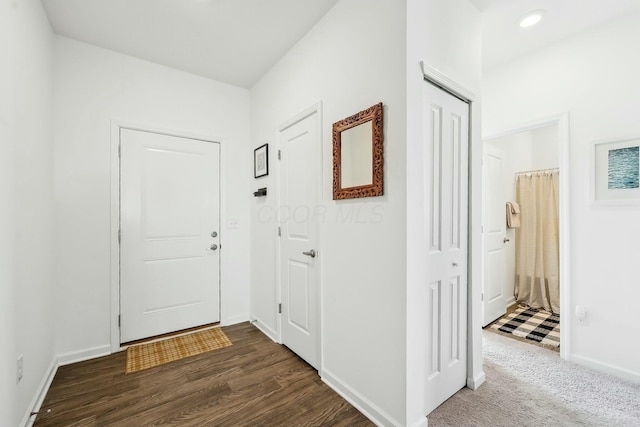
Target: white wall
545, 148
92, 87
593, 76
352, 59
26, 210
524, 151
446, 36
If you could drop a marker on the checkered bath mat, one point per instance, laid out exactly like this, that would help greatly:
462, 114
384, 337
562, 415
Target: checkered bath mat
533, 324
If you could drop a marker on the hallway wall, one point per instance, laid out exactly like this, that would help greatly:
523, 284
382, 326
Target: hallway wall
352, 59
447, 36
26, 207
92, 87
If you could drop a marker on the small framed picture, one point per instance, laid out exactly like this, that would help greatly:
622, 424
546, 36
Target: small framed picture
261, 161
616, 172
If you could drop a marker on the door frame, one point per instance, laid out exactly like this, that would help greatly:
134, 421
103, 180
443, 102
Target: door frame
562, 121
314, 109
114, 262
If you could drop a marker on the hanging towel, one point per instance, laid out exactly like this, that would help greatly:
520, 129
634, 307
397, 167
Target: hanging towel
513, 215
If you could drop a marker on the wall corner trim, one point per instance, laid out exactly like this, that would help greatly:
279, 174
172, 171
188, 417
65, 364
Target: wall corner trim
262, 327
361, 403
233, 320
474, 382
442, 79
82, 355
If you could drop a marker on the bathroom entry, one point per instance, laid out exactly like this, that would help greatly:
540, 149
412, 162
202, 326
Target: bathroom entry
521, 263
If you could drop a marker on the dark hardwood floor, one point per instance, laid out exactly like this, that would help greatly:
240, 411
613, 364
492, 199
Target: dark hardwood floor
254, 382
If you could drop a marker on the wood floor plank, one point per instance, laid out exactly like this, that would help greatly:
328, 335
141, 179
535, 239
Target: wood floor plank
254, 382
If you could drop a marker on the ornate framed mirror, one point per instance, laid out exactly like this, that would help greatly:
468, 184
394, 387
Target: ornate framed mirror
358, 155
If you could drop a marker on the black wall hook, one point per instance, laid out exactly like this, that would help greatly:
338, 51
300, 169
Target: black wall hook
261, 192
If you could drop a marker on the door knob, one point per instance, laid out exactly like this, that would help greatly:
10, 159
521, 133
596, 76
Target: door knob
311, 253
214, 234
505, 240
213, 247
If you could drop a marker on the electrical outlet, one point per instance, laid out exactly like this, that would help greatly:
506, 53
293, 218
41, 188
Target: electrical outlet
19, 369
581, 314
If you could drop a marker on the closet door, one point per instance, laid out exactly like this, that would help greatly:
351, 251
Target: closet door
446, 147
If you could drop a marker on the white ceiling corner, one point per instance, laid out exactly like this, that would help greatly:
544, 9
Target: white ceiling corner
232, 41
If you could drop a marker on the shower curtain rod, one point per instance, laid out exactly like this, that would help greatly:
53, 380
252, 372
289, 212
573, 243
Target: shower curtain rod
538, 171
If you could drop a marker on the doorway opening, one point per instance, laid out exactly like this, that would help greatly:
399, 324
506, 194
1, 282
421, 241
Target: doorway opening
525, 199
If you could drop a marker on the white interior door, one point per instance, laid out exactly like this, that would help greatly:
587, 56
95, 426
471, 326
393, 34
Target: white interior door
300, 196
446, 169
169, 260
494, 234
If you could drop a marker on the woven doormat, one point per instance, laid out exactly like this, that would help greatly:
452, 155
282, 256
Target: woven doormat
145, 356
530, 323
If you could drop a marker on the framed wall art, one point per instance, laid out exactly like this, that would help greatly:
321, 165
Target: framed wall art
261, 161
616, 172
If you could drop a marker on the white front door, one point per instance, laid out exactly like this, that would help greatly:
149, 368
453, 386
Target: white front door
300, 199
494, 233
169, 214
446, 148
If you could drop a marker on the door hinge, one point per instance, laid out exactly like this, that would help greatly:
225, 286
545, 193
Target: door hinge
482, 296
119, 150
119, 236
279, 155
280, 308
119, 320
279, 231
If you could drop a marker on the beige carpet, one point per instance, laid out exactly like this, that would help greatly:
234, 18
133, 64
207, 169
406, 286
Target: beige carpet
528, 385
145, 356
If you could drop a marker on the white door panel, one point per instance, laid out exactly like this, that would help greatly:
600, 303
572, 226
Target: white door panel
169, 208
300, 147
494, 226
446, 164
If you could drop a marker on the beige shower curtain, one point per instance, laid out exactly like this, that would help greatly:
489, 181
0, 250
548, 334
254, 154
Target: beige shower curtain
537, 242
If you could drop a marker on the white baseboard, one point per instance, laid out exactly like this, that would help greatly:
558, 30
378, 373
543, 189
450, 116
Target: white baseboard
233, 320
422, 422
510, 302
361, 403
82, 355
265, 329
606, 368
36, 403
474, 382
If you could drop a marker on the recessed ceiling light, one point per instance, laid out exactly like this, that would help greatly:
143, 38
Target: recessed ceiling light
531, 18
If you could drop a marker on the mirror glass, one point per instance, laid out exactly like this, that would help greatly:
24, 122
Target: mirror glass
356, 156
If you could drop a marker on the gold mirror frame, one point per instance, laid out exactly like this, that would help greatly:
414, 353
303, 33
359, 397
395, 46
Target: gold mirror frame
375, 115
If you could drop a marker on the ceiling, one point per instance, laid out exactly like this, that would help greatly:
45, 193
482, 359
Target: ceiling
233, 41
504, 40
237, 41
